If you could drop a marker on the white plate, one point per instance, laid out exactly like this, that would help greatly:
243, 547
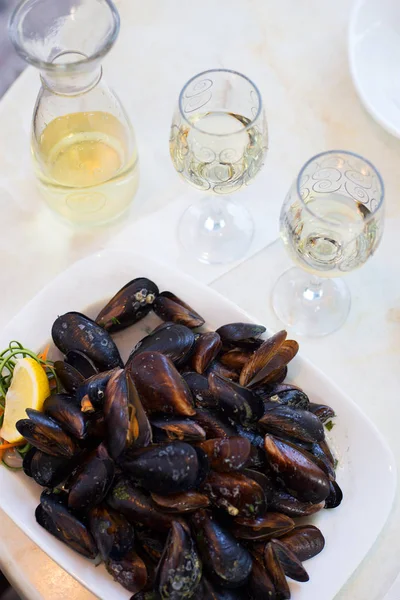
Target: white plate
374, 55
366, 466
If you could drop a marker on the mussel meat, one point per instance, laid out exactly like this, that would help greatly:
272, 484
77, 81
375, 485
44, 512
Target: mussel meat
224, 558
179, 570
129, 305
169, 307
74, 331
160, 386
126, 421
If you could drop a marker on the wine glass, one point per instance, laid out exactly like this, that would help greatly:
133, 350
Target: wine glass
331, 222
218, 143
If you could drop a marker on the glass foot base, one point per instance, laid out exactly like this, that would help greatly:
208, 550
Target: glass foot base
312, 307
216, 230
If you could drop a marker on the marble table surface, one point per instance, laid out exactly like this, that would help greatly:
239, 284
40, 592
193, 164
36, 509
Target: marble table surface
297, 53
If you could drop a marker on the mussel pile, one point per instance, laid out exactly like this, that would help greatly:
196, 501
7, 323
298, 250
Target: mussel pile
185, 469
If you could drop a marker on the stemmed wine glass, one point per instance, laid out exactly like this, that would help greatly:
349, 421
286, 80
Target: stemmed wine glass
218, 142
331, 223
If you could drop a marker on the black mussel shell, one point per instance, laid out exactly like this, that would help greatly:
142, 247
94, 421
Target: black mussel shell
227, 454
276, 572
126, 421
160, 386
208, 590
92, 481
185, 430
323, 459
217, 368
235, 358
293, 422
297, 471
237, 332
81, 363
53, 514
169, 307
253, 370
265, 527
213, 424
322, 411
224, 558
173, 340
92, 392
74, 331
265, 480
113, 533
335, 495
294, 398
179, 570
27, 461
66, 411
151, 542
182, 503
129, 571
137, 506
305, 541
290, 563
234, 401
198, 385
49, 471
250, 434
206, 349
260, 584
285, 503
46, 435
129, 305
69, 377
165, 469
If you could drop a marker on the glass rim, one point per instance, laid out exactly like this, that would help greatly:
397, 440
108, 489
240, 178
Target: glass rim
60, 67
232, 72
347, 153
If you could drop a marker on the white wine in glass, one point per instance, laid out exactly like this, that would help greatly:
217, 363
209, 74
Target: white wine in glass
331, 223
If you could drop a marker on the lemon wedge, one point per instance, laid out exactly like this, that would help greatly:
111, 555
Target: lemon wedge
29, 389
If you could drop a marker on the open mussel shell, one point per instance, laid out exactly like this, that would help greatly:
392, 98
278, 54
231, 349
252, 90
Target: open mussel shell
129, 571
335, 495
137, 506
322, 411
160, 386
322, 450
179, 570
207, 347
46, 435
235, 359
66, 410
217, 368
74, 331
129, 305
305, 541
92, 392
212, 424
185, 430
285, 503
236, 493
113, 534
237, 332
69, 377
323, 459
276, 572
53, 514
182, 503
234, 401
81, 363
49, 471
165, 469
293, 422
92, 481
297, 471
257, 365
290, 563
225, 559
260, 584
173, 340
169, 307
198, 385
265, 527
227, 454
126, 421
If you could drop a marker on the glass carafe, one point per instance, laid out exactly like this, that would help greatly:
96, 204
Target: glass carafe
83, 144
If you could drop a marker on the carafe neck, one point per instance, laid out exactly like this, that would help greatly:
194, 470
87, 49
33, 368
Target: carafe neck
71, 82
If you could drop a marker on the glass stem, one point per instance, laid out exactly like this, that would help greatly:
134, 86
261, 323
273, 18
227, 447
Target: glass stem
313, 290
216, 217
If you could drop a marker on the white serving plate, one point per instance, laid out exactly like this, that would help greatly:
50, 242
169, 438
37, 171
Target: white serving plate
366, 470
374, 56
